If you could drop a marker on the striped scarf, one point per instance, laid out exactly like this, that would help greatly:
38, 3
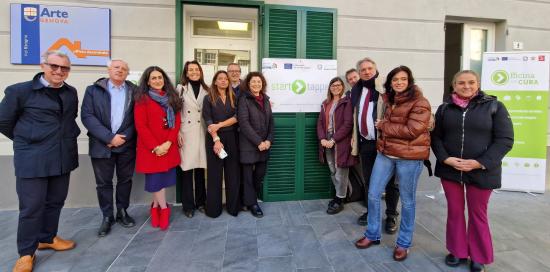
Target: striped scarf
163, 101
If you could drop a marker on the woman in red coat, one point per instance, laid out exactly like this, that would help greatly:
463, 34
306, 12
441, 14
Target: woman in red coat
157, 125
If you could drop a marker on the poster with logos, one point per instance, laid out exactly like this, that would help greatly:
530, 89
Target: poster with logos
82, 33
521, 80
297, 85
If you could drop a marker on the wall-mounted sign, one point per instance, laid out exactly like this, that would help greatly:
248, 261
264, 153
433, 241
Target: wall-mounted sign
297, 85
520, 80
83, 33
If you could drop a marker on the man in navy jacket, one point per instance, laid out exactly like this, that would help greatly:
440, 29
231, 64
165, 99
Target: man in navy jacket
39, 117
108, 114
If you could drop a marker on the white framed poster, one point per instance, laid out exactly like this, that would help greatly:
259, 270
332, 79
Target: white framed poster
297, 85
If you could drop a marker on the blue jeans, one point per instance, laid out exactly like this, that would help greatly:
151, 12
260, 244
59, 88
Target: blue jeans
407, 173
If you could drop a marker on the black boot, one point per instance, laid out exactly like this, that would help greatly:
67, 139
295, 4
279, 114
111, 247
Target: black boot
105, 227
452, 261
124, 219
256, 211
391, 225
189, 212
476, 267
201, 209
363, 219
335, 206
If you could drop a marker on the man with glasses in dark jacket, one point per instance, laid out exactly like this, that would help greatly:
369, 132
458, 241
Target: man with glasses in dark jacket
234, 72
39, 117
108, 114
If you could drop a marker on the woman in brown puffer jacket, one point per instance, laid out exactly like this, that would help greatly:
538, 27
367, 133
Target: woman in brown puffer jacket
403, 144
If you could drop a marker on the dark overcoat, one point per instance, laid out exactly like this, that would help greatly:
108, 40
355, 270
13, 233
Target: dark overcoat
43, 130
255, 126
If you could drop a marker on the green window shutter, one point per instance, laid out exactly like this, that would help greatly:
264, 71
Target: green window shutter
282, 33
317, 182
294, 171
280, 181
319, 35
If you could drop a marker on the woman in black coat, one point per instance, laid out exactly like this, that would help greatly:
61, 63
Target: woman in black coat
255, 137
222, 158
473, 132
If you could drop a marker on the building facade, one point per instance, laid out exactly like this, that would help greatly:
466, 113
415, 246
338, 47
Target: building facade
434, 38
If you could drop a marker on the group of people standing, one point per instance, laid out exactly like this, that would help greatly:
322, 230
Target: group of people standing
209, 131
390, 132
224, 132
227, 129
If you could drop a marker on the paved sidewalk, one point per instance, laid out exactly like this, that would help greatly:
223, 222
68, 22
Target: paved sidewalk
293, 236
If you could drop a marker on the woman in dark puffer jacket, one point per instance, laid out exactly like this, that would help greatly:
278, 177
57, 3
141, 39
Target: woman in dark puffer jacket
473, 132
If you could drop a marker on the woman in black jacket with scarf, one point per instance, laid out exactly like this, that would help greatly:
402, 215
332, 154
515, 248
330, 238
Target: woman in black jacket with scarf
473, 132
255, 137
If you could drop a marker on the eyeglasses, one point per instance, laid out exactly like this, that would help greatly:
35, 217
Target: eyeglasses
233, 71
54, 67
336, 85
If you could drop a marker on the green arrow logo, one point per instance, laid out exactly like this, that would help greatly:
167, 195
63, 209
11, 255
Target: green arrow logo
298, 86
500, 77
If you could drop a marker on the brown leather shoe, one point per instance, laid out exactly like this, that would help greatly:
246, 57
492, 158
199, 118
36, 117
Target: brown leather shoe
365, 243
24, 264
58, 244
400, 254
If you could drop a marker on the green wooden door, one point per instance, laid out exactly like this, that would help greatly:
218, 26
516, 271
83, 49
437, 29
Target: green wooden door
294, 171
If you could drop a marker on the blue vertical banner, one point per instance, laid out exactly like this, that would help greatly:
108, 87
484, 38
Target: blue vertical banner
84, 34
30, 33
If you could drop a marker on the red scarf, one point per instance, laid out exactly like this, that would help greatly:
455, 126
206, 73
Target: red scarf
260, 100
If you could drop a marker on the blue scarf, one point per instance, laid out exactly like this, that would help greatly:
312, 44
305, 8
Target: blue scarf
163, 101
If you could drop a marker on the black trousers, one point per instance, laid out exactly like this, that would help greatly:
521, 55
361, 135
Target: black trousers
192, 199
368, 152
104, 170
253, 177
218, 171
40, 204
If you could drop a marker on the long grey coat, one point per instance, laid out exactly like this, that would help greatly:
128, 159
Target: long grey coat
193, 129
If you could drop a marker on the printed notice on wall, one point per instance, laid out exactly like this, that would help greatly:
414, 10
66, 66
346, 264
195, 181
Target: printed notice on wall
297, 85
521, 81
82, 33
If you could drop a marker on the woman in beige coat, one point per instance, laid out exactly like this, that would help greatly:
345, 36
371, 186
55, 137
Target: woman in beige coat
192, 90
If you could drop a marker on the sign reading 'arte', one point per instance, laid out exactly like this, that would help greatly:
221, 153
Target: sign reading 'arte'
520, 80
82, 33
297, 85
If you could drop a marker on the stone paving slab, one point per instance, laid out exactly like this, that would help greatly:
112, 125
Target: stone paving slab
293, 236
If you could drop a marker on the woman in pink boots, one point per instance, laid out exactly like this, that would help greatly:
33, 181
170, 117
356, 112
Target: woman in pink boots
157, 123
